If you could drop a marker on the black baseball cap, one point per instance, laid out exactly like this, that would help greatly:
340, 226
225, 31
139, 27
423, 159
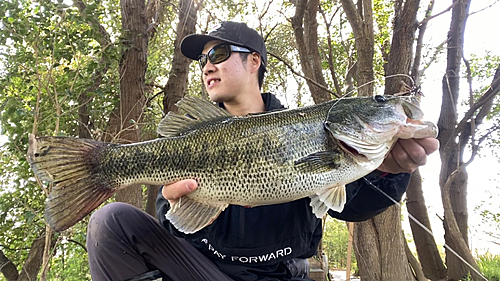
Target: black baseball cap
236, 33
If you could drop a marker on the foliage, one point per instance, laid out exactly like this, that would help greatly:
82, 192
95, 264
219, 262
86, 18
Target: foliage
335, 240
49, 55
482, 70
490, 266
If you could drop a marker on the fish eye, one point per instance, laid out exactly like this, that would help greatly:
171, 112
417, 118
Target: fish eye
380, 98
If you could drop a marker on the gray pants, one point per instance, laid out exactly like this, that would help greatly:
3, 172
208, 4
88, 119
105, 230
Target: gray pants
124, 242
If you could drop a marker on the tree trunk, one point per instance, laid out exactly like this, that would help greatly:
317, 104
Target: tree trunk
133, 65
7, 268
401, 51
366, 245
379, 248
450, 150
428, 254
415, 265
361, 21
305, 28
178, 77
85, 97
454, 234
380, 241
34, 260
32, 264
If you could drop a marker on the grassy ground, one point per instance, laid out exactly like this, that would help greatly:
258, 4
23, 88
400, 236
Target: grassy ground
490, 266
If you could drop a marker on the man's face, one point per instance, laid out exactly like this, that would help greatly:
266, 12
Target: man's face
225, 80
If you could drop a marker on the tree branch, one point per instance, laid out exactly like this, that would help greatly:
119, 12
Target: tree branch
8, 268
454, 230
94, 23
154, 16
487, 97
427, 19
305, 77
33, 262
79, 244
415, 74
84, 123
352, 16
487, 7
329, 54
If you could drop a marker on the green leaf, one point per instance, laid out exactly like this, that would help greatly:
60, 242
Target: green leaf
29, 216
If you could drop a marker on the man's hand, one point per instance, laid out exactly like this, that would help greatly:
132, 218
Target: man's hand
407, 155
176, 190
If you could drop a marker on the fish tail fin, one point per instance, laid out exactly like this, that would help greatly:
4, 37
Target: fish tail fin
71, 164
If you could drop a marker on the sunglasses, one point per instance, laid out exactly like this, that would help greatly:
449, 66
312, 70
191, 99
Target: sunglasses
220, 53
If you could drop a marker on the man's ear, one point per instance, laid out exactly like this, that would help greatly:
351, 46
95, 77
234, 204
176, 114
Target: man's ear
255, 60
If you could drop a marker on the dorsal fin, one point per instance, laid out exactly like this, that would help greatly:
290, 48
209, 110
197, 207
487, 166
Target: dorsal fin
192, 110
202, 110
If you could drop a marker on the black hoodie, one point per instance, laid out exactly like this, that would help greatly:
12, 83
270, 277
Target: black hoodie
252, 243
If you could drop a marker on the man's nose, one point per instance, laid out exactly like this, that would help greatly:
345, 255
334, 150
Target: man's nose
208, 68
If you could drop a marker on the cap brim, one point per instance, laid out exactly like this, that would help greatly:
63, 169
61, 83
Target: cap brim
192, 45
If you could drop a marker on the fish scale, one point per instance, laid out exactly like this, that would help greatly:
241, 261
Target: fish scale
254, 160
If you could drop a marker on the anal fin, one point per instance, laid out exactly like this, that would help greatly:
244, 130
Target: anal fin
189, 215
331, 198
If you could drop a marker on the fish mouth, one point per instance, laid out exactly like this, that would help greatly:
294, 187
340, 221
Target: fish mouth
351, 150
359, 149
377, 148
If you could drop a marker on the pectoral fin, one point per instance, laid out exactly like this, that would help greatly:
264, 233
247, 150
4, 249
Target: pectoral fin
331, 198
189, 216
321, 161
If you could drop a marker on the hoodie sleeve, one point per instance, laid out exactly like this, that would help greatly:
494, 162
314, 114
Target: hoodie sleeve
365, 202
162, 207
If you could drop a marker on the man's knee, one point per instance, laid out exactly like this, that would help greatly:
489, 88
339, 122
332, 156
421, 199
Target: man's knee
110, 219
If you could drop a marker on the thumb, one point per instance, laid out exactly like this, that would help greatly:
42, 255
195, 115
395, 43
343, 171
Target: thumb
178, 189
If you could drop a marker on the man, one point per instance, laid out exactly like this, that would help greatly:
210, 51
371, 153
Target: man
261, 243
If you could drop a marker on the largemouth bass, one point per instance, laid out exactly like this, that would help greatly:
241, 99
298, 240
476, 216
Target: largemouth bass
254, 160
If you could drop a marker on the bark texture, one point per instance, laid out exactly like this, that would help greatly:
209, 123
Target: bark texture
379, 243
8, 269
178, 77
305, 28
453, 177
361, 20
86, 97
379, 248
401, 51
451, 151
428, 254
133, 65
34, 261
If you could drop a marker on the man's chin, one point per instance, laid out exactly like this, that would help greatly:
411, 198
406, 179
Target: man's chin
216, 97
